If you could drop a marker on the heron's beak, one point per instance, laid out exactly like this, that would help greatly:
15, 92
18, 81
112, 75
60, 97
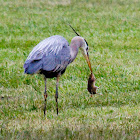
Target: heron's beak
85, 53
88, 61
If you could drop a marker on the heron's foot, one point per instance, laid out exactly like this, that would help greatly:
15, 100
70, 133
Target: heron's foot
44, 110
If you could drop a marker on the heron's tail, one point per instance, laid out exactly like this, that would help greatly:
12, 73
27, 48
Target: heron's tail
32, 67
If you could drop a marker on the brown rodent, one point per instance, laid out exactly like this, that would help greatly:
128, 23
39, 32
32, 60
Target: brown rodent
91, 84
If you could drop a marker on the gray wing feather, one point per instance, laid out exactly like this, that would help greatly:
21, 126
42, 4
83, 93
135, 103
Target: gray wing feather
57, 62
51, 54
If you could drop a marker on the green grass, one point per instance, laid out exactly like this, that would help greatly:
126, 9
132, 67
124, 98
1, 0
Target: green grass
112, 30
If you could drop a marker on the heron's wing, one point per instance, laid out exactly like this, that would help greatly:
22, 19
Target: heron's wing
57, 62
47, 54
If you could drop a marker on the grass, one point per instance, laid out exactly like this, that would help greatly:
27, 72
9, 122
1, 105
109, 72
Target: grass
112, 30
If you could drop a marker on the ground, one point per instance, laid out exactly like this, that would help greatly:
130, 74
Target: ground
111, 29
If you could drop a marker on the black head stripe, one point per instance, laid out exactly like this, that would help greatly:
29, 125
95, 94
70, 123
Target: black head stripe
86, 42
77, 33
74, 30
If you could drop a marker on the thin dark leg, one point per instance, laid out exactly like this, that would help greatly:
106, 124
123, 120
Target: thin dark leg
45, 97
56, 95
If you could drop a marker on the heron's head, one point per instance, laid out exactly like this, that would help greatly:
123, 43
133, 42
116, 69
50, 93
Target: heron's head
83, 46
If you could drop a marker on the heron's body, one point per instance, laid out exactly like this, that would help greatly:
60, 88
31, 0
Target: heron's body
52, 56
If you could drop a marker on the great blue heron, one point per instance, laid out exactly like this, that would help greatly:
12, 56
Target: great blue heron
52, 56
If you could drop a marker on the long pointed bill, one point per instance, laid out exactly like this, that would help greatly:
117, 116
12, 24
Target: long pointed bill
88, 61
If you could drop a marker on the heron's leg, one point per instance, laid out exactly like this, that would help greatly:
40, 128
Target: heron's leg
45, 96
56, 95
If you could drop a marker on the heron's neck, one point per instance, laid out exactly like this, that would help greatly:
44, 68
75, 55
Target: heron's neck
74, 47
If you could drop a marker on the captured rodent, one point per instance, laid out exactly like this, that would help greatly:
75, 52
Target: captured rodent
91, 84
